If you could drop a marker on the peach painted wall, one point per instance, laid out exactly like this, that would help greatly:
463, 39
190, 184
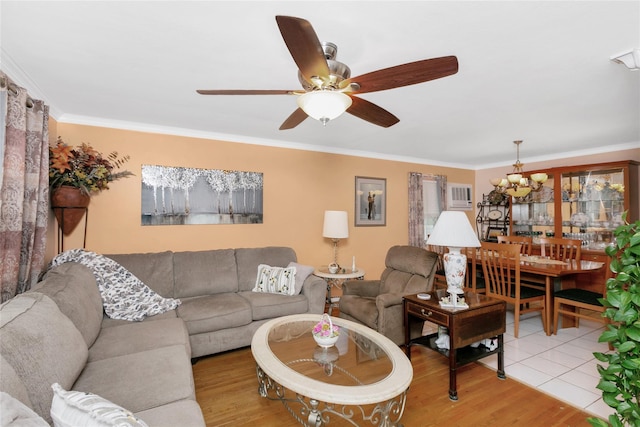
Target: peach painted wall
298, 187
483, 176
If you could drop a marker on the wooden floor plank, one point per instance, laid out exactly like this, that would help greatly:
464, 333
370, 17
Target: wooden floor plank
227, 391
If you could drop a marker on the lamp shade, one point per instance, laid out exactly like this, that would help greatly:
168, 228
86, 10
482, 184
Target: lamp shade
324, 105
453, 229
336, 225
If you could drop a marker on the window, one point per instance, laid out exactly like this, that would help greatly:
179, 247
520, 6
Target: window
433, 199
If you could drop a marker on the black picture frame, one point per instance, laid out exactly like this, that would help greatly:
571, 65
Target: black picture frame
370, 202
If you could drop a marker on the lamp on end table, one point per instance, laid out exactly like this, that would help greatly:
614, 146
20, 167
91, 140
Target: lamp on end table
454, 231
336, 227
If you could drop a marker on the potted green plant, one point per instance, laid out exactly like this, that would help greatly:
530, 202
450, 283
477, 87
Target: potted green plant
620, 379
75, 173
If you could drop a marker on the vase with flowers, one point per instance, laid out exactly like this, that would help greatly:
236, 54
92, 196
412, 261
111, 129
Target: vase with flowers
76, 173
325, 332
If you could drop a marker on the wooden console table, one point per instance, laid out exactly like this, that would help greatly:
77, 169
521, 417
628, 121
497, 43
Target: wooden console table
485, 318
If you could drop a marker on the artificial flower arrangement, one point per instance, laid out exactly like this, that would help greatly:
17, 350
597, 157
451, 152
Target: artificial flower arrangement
83, 167
325, 332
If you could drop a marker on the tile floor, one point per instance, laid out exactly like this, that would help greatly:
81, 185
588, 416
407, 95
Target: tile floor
560, 365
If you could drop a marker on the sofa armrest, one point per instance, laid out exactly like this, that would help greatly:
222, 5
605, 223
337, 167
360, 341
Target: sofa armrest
315, 289
388, 300
363, 288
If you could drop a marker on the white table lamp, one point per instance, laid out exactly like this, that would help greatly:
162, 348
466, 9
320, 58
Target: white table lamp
454, 231
336, 227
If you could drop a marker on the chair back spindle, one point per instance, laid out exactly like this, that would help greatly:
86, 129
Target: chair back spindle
560, 249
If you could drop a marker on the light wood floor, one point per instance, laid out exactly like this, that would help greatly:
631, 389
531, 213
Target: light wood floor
227, 391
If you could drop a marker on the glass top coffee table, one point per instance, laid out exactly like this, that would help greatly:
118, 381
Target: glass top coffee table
363, 378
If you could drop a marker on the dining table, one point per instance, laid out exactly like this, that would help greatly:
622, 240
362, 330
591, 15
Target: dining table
551, 271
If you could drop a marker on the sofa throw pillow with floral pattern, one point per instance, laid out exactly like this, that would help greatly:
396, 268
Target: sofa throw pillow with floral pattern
124, 296
276, 280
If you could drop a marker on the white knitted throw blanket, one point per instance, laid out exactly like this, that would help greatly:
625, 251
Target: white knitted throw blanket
124, 296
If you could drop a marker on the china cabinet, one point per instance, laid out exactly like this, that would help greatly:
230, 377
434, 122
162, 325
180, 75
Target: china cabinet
580, 202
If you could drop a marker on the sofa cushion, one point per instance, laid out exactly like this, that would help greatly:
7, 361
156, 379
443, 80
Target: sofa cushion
73, 288
205, 273
184, 413
302, 272
11, 383
14, 413
140, 336
75, 408
248, 260
275, 280
154, 269
140, 381
268, 306
51, 349
108, 322
214, 312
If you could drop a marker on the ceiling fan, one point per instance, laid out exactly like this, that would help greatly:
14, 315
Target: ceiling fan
325, 80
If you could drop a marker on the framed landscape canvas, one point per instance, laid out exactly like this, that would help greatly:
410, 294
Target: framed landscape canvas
179, 196
371, 201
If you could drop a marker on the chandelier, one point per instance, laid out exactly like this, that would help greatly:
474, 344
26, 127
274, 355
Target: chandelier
516, 184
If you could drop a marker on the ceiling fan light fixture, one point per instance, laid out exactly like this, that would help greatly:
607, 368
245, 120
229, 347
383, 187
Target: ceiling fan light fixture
324, 105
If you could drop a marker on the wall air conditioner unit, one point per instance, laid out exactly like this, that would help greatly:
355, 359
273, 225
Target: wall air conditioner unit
459, 197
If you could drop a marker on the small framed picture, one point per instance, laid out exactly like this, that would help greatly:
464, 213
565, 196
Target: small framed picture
371, 202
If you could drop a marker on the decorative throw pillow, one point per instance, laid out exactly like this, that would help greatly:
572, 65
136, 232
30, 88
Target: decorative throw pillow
302, 272
275, 280
78, 409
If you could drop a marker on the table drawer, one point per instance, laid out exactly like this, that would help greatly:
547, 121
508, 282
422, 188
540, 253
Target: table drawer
426, 313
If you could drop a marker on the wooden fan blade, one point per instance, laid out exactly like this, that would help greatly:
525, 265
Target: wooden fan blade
294, 119
370, 112
244, 92
304, 46
405, 74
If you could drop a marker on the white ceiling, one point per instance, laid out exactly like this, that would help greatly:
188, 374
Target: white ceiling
538, 71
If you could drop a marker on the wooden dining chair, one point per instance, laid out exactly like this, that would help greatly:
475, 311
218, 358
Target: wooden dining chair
524, 241
560, 249
474, 279
501, 268
440, 279
571, 302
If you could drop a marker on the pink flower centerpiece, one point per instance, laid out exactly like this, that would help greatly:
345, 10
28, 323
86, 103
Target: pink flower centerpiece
325, 332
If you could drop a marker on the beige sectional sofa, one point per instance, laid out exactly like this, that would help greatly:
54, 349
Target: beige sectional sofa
57, 333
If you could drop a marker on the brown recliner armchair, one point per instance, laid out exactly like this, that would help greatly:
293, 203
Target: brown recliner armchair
378, 303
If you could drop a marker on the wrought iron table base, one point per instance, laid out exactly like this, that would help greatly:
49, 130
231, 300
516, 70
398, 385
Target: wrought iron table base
313, 413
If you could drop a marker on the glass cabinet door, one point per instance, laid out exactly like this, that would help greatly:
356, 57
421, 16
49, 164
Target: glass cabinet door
592, 205
534, 214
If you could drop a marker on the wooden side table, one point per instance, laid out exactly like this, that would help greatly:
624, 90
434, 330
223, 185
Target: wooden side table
485, 318
337, 279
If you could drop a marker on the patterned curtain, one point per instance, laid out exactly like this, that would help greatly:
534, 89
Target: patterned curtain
419, 219
24, 183
416, 210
